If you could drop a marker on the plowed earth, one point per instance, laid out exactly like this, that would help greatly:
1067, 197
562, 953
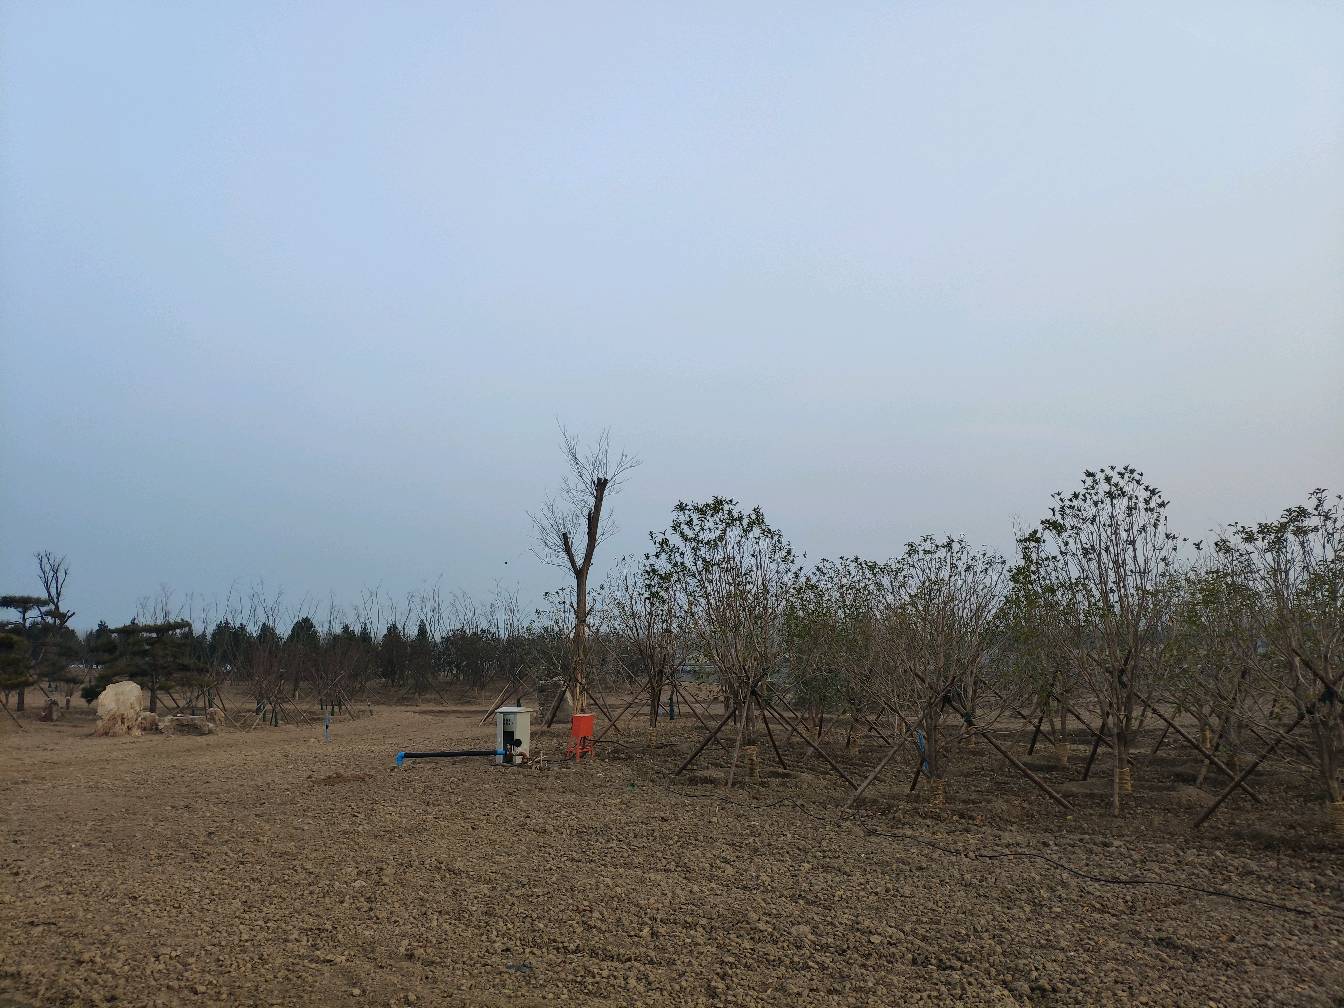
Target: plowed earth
270, 868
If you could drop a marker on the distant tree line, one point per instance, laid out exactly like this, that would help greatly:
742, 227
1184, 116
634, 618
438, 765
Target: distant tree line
1103, 621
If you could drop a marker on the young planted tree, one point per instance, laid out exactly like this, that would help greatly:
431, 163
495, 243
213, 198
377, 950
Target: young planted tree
554, 645
262, 662
736, 576
570, 528
831, 623
1296, 567
939, 635
56, 650
1217, 665
643, 607
1107, 561
342, 668
1036, 659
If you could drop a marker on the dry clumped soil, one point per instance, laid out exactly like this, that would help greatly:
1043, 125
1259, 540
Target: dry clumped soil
270, 868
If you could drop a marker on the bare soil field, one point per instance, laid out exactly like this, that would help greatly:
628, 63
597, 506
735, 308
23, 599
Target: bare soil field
271, 868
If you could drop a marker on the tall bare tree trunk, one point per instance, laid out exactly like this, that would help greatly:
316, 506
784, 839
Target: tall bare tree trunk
579, 652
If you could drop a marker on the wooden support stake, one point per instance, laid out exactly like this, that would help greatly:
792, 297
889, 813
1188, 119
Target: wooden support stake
1036, 733
1096, 741
919, 771
879, 732
765, 720
1207, 755
12, 717
1326, 694
1240, 779
1160, 739
818, 750
612, 722
1050, 792
686, 702
708, 739
867, 782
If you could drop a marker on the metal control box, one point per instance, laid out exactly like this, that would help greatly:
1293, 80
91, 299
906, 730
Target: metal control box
513, 734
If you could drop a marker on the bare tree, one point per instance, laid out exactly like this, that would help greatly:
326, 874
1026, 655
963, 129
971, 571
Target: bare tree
569, 530
53, 571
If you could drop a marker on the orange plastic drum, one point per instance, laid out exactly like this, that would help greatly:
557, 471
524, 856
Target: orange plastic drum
581, 737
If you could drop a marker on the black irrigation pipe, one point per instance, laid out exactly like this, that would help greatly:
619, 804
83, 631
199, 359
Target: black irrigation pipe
1030, 855
447, 754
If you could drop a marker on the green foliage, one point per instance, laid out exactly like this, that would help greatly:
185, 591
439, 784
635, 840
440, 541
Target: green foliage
24, 604
15, 667
737, 577
158, 656
393, 655
1105, 561
1294, 569
303, 634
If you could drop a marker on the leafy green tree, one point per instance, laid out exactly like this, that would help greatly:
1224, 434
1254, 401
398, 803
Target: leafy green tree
736, 577
1108, 563
830, 625
24, 605
1296, 567
939, 634
229, 645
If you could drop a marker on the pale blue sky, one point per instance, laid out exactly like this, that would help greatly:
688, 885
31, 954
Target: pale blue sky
296, 292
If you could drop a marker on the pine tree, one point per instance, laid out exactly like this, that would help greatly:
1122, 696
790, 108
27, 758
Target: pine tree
56, 649
301, 652
23, 605
392, 654
155, 655
16, 670
420, 659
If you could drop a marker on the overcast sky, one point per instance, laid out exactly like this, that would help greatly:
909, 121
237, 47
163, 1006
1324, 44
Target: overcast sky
297, 292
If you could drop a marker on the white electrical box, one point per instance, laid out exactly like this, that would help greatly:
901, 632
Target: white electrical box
513, 734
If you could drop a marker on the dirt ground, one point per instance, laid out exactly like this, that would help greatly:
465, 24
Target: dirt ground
272, 868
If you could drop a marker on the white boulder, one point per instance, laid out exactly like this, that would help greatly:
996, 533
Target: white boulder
119, 709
